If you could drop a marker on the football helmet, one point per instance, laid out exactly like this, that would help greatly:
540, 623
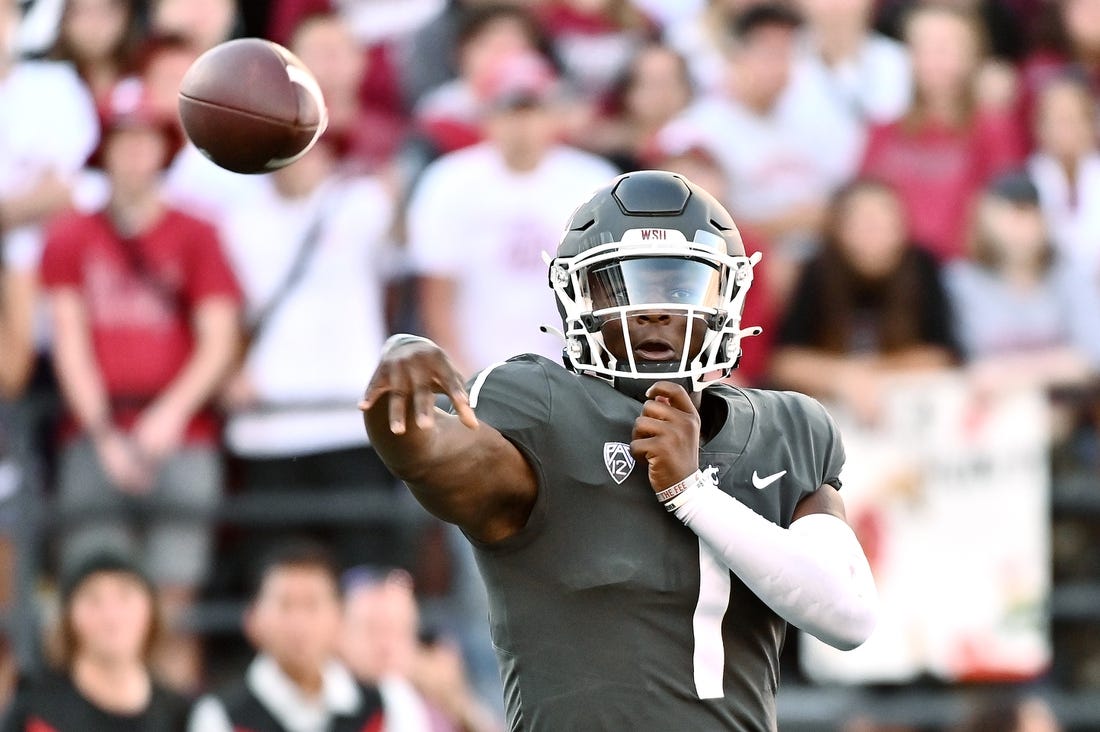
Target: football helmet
651, 244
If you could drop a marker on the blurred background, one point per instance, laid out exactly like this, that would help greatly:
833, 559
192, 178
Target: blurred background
182, 348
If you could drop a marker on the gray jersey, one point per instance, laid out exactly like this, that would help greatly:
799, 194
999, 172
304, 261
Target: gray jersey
606, 612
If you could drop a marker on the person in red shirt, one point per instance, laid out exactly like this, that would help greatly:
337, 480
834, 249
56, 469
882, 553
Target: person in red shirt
144, 310
956, 135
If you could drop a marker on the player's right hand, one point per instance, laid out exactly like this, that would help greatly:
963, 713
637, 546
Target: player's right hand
411, 372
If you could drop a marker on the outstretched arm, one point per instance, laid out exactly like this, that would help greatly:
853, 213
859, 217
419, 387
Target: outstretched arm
813, 574
462, 470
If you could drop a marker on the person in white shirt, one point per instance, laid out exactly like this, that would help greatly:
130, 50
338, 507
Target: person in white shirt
864, 72
311, 251
782, 141
48, 128
480, 219
1066, 169
296, 683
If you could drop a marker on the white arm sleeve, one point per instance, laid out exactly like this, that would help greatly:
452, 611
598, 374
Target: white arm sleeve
814, 575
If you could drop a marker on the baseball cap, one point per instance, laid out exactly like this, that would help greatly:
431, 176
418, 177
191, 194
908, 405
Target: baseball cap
1015, 187
128, 107
680, 140
519, 80
104, 561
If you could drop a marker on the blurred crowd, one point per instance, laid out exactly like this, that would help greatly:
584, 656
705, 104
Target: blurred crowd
921, 176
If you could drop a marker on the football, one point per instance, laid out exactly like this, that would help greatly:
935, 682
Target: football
251, 106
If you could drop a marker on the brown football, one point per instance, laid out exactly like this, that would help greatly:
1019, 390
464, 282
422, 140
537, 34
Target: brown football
251, 106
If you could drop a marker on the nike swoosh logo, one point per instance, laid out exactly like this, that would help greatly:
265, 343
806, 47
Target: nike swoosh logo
759, 482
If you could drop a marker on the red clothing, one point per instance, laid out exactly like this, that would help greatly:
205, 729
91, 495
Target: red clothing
139, 306
937, 172
756, 351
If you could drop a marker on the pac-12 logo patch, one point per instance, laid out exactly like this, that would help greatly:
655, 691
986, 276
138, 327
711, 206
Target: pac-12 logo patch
619, 461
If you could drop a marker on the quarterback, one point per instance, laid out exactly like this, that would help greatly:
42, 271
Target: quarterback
645, 531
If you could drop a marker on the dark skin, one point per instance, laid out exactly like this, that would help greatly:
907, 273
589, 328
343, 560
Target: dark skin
465, 472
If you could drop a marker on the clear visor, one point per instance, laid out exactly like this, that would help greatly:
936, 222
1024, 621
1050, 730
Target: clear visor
654, 281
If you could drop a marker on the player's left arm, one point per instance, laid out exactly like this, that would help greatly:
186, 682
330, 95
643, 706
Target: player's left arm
813, 574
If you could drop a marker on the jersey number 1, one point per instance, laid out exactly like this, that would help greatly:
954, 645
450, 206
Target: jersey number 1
709, 658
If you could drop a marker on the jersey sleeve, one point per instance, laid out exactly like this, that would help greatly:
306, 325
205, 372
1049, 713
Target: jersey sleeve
514, 398
828, 446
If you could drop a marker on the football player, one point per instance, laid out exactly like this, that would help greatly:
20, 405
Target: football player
645, 531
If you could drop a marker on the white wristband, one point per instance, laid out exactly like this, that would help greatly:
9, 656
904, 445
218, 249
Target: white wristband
674, 495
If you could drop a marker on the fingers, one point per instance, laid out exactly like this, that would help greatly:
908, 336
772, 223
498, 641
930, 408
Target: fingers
411, 379
423, 404
642, 448
398, 407
464, 411
672, 394
456, 391
648, 427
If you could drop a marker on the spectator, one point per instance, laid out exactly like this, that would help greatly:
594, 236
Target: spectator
99, 38
381, 29
655, 88
595, 39
783, 145
381, 646
1002, 22
508, 196
430, 57
1066, 169
869, 304
47, 130
103, 683
702, 38
202, 23
295, 683
366, 136
144, 309
193, 183
449, 115
1023, 318
1072, 43
309, 248
952, 139
868, 73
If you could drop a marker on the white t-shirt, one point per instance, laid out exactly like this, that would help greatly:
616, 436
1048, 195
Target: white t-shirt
796, 154
311, 359
473, 220
47, 123
875, 85
194, 184
1072, 214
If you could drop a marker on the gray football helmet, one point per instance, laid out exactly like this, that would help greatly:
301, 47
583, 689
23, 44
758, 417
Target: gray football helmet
652, 242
